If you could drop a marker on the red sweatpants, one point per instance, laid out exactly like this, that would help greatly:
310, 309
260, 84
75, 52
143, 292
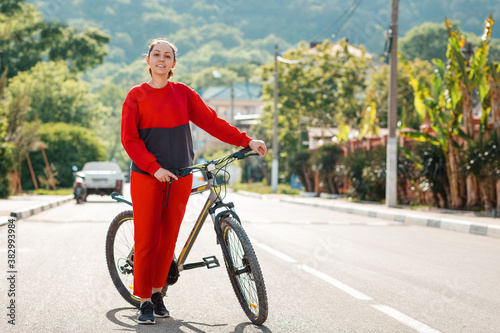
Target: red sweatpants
156, 228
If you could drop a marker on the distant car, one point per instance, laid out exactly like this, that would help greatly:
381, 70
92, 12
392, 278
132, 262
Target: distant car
103, 178
198, 179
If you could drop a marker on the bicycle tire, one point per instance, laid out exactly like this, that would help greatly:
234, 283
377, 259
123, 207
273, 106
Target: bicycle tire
78, 194
119, 245
248, 286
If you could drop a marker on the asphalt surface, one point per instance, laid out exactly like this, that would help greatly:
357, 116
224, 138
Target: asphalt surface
326, 270
461, 221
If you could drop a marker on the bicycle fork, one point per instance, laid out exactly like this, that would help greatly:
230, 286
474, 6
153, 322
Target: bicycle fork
220, 237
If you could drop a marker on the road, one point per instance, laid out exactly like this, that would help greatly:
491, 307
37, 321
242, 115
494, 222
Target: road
325, 271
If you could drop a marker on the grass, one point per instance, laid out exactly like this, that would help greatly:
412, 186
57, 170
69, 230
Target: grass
60, 191
262, 188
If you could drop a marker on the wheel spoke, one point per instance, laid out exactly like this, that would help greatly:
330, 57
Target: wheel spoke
242, 272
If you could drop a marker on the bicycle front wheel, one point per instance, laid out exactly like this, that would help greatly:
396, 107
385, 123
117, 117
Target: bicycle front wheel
120, 255
246, 277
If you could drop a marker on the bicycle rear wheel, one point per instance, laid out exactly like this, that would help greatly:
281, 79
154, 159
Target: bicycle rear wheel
246, 277
119, 255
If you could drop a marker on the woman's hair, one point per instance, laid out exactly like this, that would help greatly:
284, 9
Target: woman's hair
165, 41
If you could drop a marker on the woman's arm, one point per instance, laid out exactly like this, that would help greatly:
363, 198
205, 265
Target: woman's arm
134, 146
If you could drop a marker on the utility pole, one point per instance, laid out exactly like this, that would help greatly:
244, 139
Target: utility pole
392, 147
232, 105
275, 168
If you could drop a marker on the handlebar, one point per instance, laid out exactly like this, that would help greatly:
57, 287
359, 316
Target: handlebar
238, 155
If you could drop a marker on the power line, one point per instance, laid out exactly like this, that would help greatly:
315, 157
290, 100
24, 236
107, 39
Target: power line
352, 8
348, 17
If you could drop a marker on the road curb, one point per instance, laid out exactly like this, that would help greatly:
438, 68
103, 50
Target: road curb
412, 218
38, 208
475, 228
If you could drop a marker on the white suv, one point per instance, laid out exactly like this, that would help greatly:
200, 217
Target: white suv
102, 178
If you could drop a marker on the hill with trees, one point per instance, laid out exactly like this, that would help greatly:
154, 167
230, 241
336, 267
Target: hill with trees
194, 23
235, 32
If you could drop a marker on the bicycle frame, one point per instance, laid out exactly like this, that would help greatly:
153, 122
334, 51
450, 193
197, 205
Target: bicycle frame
212, 203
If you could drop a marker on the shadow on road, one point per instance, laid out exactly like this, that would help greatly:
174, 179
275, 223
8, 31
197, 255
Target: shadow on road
126, 319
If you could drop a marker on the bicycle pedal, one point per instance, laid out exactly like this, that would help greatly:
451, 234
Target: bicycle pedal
211, 262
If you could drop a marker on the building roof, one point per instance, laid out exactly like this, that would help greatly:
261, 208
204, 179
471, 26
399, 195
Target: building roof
248, 91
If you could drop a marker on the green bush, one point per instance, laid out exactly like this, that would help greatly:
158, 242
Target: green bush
67, 145
326, 159
374, 175
5, 159
366, 170
5, 168
300, 164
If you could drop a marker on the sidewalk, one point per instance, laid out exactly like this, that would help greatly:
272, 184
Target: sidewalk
22, 206
462, 221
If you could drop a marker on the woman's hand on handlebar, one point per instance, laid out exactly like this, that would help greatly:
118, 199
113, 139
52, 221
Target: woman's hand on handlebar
258, 146
163, 175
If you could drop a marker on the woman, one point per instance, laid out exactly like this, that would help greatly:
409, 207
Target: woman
156, 134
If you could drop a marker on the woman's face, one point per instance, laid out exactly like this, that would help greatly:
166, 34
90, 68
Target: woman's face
161, 59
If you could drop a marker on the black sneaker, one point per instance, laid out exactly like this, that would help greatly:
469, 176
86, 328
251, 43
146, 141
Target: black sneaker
146, 315
159, 308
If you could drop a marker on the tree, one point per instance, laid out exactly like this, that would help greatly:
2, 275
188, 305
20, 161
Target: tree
429, 41
5, 146
494, 99
450, 101
493, 72
470, 73
40, 91
109, 126
67, 145
326, 159
324, 88
28, 39
20, 133
377, 92
57, 95
437, 108
299, 164
426, 42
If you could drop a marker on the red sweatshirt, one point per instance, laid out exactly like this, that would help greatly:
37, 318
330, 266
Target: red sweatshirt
155, 129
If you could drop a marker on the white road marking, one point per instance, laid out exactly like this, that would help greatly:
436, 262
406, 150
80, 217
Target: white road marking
336, 283
395, 314
276, 253
404, 319
331, 223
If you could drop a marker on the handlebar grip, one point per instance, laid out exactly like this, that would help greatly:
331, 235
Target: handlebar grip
181, 172
246, 150
241, 153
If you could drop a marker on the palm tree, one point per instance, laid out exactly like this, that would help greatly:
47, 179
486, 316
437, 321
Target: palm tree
494, 82
470, 73
437, 106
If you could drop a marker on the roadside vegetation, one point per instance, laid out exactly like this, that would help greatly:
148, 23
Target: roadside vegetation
62, 85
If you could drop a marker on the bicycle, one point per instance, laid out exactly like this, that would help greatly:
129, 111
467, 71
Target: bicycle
241, 261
